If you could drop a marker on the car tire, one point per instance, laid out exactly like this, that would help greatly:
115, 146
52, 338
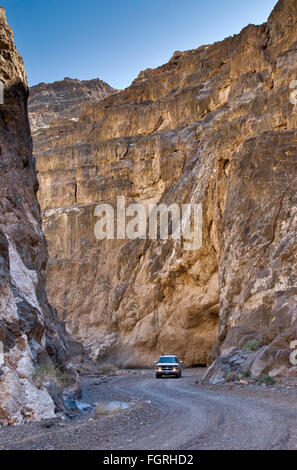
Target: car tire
158, 376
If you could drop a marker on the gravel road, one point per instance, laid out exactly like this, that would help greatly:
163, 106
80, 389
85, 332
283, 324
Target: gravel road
168, 414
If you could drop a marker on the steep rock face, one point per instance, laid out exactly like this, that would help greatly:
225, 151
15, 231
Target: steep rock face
29, 328
214, 126
64, 99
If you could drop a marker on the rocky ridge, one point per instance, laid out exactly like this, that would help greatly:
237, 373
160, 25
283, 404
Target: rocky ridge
217, 126
64, 99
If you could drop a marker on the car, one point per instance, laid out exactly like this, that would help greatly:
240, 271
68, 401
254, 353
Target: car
168, 365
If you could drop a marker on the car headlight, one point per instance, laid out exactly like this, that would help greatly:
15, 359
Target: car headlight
174, 369
159, 369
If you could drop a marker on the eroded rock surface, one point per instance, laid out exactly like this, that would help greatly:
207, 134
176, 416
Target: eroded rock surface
217, 126
29, 327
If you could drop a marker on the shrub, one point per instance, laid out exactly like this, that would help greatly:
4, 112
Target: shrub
226, 372
50, 372
251, 345
231, 377
245, 373
44, 373
267, 380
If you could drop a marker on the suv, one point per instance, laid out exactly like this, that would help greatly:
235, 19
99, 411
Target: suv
168, 365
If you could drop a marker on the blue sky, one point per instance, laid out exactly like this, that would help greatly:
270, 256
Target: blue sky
116, 39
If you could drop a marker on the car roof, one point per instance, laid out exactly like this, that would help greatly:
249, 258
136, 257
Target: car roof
169, 355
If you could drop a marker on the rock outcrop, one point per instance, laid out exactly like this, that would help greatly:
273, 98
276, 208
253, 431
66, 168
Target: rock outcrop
30, 330
64, 99
216, 126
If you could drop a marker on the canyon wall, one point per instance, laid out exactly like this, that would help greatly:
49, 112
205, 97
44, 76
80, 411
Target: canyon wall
216, 126
29, 327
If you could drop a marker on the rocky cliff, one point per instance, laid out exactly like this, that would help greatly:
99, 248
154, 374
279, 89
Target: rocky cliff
64, 99
216, 126
30, 331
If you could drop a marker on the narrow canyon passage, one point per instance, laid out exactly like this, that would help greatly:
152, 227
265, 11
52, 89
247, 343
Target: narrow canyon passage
211, 133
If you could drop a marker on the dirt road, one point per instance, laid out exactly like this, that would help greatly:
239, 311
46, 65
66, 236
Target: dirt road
168, 414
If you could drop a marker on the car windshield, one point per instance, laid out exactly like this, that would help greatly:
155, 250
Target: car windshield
166, 359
